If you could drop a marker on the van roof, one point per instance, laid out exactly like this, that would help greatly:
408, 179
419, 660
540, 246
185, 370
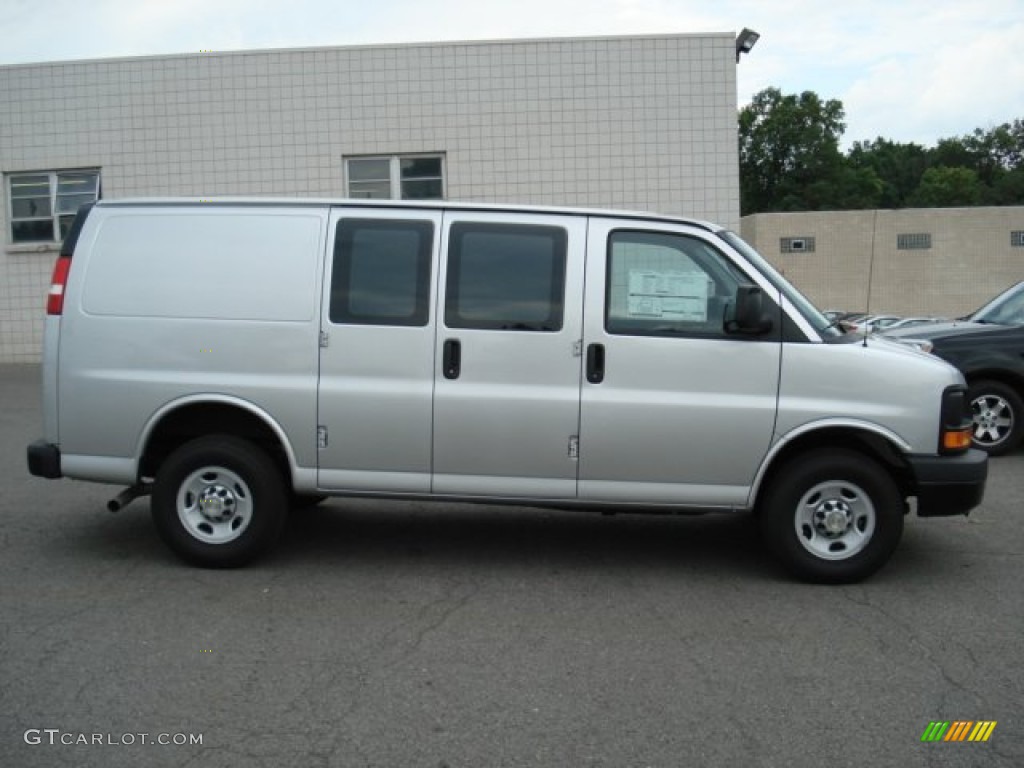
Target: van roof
405, 204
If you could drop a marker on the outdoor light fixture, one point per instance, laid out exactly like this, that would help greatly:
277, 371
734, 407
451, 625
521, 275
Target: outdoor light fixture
745, 41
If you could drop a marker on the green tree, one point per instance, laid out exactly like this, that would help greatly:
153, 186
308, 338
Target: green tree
1008, 189
995, 155
790, 161
954, 153
1000, 162
899, 167
1007, 142
997, 150
947, 187
790, 158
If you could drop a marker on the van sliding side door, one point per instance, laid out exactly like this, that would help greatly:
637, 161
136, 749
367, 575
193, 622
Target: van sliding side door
377, 350
507, 355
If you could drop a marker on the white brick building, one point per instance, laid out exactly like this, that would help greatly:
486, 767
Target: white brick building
633, 122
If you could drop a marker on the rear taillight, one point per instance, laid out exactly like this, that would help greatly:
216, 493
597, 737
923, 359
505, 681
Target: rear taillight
55, 299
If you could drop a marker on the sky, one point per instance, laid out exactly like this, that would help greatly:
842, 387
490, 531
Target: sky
905, 70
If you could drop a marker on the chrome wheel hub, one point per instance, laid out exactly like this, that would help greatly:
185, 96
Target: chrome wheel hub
993, 419
214, 505
835, 520
832, 518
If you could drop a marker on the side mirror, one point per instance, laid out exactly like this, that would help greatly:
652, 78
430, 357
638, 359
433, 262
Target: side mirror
748, 314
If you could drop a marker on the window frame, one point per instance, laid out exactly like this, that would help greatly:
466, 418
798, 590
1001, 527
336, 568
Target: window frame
341, 274
395, 179
789, 244
914, 241
54, 196
732, 272
559, 268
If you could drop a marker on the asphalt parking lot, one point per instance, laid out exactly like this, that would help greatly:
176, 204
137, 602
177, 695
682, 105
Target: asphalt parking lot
398, 634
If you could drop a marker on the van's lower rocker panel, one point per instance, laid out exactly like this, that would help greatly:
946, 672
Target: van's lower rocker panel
619, 492
363, 480
534, 491
485, 486
304, 479
563, 504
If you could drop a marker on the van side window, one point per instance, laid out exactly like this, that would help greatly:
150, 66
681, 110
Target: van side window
505, 277
381, 272
667, 284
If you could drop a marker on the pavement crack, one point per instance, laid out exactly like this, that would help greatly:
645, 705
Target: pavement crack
448, 607
859, 597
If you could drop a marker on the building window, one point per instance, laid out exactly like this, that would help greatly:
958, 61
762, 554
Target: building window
43, 204
916, 242
506, 277
382, 272
796, 245
399, 177
1017, 239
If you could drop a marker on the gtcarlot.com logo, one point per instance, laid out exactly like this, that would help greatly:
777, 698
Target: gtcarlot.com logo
56, 737
958, 730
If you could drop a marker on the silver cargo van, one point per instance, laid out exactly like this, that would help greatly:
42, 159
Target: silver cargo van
236, 358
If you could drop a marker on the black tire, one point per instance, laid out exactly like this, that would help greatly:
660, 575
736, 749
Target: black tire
832, 517
219, 502
998, 414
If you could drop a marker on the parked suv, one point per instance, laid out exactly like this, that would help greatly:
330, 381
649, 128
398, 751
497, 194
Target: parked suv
237, 358
988, 347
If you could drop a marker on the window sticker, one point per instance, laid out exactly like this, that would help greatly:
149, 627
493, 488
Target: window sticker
679, 296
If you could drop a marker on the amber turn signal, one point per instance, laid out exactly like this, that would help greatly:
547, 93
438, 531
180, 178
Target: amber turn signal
956, 439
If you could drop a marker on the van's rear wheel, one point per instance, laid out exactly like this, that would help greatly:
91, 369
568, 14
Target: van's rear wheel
833, 517
219, 502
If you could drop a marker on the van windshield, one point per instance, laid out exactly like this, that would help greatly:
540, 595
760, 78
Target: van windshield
803, 305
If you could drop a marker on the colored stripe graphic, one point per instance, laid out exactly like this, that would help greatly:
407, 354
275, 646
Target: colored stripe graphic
958, 730
982, 730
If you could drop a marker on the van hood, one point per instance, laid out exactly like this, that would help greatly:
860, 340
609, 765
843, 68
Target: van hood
898, 347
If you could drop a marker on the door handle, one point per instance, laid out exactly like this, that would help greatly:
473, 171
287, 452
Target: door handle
452, 359
595, 363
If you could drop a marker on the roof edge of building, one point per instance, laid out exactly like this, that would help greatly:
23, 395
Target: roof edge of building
374, 46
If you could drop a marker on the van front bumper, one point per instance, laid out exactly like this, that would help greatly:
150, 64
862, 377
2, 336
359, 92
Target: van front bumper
949, 485
44, 459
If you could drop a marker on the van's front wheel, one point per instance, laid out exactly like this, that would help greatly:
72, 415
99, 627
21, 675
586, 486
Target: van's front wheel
219, 502
833, 517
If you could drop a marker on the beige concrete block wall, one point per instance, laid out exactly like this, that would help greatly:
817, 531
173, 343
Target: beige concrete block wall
641, 122
970, 260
